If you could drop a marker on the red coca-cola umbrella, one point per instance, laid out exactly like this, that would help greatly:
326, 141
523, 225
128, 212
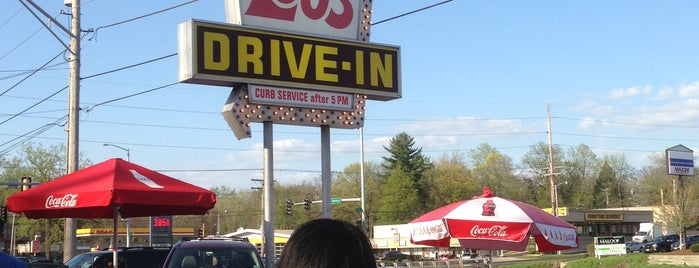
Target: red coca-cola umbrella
111, 189
492, 223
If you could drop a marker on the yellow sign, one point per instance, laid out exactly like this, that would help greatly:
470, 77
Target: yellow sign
604, 216
226, 55
562, 211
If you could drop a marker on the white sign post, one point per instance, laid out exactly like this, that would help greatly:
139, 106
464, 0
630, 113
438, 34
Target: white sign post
680, 162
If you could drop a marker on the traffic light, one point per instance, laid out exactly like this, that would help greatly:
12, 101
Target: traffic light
288, 207
201, 233
3, 213
26, 183
307, 204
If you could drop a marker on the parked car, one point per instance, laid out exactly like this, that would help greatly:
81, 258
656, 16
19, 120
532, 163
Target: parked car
690, 240
213, 253
444, 257
633, 246
392, 255
661, 244
127, 257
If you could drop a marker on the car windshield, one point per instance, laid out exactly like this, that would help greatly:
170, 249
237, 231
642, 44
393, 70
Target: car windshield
659, 239
214, 257
81, 261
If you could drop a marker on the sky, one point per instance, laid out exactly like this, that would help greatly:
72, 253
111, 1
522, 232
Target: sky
621, 77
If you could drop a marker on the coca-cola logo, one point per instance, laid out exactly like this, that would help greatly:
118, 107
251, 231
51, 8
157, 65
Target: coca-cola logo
426, 229
68, 200
493, 231
312, 9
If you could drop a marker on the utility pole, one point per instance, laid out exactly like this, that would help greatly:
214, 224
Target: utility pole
551, 174
69, 239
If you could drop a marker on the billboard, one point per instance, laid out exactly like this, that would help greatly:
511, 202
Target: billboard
680, 161
228, 55
346, 19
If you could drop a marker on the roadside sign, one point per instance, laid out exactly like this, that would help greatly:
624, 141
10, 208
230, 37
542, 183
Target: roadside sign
680, 161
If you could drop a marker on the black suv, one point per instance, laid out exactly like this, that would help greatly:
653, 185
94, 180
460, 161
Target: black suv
213, 253
146, 257
661, 244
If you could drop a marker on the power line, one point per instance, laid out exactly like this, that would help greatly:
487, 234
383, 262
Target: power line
408, 13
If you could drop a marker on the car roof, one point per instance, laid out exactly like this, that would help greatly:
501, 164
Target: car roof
214, 243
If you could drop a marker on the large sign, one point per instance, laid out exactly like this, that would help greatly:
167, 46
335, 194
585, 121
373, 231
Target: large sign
291, 107
609, 245
227, 55
348, 19
680, 161
161, 230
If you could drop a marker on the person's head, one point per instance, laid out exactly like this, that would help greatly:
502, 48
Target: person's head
325, 243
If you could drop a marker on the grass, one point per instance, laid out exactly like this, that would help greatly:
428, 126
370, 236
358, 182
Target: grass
623, 261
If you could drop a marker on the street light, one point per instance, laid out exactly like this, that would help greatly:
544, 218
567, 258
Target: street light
128, 152
128, 221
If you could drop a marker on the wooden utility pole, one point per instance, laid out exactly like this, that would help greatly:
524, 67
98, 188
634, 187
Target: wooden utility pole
69, 239
551, 174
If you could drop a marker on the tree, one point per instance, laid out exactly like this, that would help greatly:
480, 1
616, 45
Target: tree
450, 181
605, 185
348, 185
494, 170
399, 198
535, 164
411, 161
579, 171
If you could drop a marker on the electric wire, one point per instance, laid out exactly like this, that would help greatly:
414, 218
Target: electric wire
31, 74
408, 13
140, 17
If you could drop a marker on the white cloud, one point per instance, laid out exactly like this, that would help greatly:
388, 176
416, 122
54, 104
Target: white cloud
593, 107
690, 90
665, 93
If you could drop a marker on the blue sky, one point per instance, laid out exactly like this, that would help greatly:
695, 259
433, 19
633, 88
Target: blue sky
620, 76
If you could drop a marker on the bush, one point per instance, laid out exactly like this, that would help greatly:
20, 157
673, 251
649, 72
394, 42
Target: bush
694, 248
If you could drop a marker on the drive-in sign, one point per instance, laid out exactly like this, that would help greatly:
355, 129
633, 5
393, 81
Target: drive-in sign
348, 19
680, 161
226, 55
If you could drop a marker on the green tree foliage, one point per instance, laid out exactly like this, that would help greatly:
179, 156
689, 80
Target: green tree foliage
605, 187
399, 198
535, 165
579, 171
410, 160
450, 181
348, 185
492, 169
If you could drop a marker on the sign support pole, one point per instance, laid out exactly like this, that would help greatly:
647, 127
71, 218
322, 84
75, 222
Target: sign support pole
325, 169
268, 188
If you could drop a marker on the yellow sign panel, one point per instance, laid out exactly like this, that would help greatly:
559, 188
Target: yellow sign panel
604, 216
226, 55
562, 211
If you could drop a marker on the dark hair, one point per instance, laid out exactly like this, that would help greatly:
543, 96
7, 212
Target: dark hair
327, 243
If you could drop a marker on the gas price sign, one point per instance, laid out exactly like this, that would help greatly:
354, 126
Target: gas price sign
161, 230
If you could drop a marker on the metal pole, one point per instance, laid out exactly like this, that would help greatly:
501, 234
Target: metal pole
69, 238
361, 177
127, 220
325, 170
268, 188
551, 178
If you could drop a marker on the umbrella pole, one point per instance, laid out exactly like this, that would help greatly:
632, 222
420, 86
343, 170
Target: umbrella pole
490, 259
114, 238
